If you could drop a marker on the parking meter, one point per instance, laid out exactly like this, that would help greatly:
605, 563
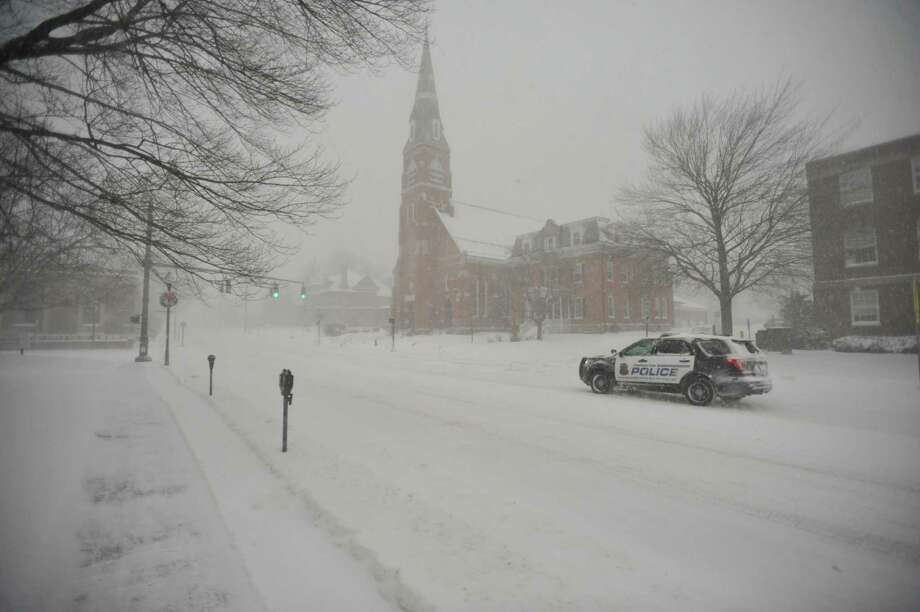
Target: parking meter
286, 386
211, 359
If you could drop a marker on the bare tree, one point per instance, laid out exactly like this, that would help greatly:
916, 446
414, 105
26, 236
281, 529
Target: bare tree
725, 199
182, 107
49, 257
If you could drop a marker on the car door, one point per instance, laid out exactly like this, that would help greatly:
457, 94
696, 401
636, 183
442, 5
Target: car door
632, 359
671, 360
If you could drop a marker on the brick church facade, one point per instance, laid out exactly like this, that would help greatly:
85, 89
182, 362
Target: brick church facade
464, 267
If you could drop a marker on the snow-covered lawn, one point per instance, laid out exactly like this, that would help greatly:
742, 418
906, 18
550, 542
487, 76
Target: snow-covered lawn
459, 475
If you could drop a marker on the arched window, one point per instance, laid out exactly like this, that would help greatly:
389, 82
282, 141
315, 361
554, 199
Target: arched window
436, 129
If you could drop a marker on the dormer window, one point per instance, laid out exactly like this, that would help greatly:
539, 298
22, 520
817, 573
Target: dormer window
576, 238
436, 129
525, 246
549, 243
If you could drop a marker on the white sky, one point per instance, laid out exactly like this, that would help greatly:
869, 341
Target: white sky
543, 102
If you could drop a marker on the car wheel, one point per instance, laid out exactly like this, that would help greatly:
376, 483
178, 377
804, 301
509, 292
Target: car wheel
699, 391
601, 382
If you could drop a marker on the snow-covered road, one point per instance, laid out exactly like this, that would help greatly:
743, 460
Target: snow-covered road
484, 476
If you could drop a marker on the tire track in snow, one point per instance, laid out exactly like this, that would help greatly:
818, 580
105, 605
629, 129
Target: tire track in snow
903, 551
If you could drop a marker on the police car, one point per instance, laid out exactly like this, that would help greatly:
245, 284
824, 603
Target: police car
701, 367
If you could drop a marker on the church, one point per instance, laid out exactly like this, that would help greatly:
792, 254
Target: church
463, 267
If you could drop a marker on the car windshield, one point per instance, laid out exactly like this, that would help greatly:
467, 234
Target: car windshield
747, 346
642, 347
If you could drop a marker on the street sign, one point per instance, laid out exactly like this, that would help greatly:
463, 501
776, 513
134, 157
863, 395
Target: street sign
168, 299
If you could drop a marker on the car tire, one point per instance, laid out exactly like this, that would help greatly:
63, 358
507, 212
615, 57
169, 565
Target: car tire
601, 382
699, 391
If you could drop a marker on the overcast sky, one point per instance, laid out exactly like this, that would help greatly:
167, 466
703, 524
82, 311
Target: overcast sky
543, 102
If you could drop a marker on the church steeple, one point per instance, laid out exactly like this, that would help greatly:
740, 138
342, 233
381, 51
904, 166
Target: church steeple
425, 87
426, 156
425, 120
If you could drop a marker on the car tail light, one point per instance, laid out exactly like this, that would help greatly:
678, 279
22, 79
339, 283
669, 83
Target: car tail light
738, 364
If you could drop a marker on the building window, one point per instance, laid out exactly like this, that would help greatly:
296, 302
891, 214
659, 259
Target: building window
915, 171
856, 187
610, 268
436, 129
579, 308
576, 238
549, 243
611, 307
860, 246
864, 307
644, 307
525, 245
626, 313
579, 271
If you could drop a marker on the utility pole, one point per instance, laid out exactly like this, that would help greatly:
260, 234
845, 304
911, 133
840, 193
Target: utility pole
142, 347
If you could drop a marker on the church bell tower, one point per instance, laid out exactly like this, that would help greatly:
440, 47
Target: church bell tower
426, 192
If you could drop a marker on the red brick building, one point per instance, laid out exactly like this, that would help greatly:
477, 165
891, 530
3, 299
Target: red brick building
865, 218
463, 266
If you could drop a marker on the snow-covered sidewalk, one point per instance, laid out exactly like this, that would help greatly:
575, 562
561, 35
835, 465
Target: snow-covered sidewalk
104, 506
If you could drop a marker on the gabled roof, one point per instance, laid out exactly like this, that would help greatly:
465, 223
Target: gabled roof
484, 232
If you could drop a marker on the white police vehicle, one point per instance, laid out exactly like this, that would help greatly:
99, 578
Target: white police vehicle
699, 366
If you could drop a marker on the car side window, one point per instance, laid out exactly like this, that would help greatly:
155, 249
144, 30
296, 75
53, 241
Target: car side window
672, 347
642, 347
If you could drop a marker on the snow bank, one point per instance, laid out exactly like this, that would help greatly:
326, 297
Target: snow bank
875, 344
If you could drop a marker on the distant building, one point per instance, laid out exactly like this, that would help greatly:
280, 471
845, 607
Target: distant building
688, 314
354, 300
462, 266
96, 307
865, 220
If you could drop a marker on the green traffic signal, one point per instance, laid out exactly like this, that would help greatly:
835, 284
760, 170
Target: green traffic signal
275, 292
303, 292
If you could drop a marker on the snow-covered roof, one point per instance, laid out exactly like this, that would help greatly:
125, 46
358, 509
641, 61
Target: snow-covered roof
485, 232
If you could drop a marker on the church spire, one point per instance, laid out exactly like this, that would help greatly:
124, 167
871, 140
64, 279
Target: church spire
426, 117
426, 88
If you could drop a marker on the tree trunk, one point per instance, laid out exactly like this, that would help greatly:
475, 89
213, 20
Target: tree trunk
725, 307
540, 329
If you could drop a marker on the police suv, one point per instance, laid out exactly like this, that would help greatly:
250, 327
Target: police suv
699, 366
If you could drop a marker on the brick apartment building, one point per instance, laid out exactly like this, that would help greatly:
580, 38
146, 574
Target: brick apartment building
462, 266
865, 219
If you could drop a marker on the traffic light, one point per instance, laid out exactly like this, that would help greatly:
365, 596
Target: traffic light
303, 292
227, 286
276, 293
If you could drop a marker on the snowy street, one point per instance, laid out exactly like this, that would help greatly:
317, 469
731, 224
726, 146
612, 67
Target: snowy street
451, 475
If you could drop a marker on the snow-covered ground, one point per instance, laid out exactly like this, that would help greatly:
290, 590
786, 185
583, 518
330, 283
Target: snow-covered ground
459, 475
